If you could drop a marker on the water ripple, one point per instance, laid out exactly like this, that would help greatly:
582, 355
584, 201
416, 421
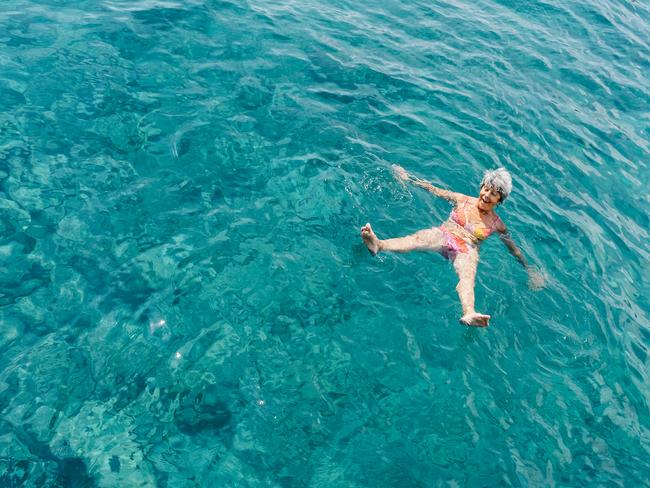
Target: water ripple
183, 294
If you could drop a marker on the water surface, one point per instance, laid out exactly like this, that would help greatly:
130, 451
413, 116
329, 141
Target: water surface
184, 298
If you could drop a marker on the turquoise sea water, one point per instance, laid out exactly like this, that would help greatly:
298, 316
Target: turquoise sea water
184, 297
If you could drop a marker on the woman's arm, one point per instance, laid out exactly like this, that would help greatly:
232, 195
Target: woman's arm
536, 279
439, 192
512, 247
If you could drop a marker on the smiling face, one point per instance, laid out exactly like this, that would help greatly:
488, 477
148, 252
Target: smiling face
488, 198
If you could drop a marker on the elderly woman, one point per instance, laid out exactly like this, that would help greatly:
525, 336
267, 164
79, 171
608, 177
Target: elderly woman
471, 221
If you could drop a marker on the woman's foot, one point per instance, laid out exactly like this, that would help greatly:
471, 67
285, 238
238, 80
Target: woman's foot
370, 239
475, 319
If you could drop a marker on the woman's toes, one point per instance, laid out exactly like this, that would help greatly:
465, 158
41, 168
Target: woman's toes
475, 319
370, 239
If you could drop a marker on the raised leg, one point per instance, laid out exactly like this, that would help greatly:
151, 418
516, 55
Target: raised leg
465, 265
423, 240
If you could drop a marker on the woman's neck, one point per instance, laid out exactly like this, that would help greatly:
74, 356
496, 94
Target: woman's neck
484, 210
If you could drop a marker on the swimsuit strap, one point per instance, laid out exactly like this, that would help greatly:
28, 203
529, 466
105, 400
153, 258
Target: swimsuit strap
495, 220
465, 212
455, 215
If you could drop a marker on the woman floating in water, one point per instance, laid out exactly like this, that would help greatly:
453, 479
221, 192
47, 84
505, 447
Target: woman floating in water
458, 239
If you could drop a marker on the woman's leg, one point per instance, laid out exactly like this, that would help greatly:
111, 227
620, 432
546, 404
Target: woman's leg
465, 265
423, 240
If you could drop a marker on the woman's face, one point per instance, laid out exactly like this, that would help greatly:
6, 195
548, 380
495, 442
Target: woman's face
488, 197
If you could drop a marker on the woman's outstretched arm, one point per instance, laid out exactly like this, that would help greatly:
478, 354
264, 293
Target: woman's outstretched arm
512, 247
536, 279
439, 192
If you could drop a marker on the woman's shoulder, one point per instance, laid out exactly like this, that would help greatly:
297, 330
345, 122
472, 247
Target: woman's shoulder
498, 224
463, 199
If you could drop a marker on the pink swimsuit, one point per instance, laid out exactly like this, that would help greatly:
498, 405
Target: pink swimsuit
456, 244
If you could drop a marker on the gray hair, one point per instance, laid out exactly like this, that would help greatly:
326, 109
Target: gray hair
500, 180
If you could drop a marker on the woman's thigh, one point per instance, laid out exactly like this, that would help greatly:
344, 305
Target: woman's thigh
465, 264
432, 239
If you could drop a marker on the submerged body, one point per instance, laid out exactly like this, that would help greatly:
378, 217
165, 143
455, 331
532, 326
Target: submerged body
472, 220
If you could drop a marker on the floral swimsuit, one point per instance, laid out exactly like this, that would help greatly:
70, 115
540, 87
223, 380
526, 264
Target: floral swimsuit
456, 244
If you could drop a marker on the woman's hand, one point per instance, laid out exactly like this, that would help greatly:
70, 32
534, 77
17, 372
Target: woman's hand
536, 278
400, 172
